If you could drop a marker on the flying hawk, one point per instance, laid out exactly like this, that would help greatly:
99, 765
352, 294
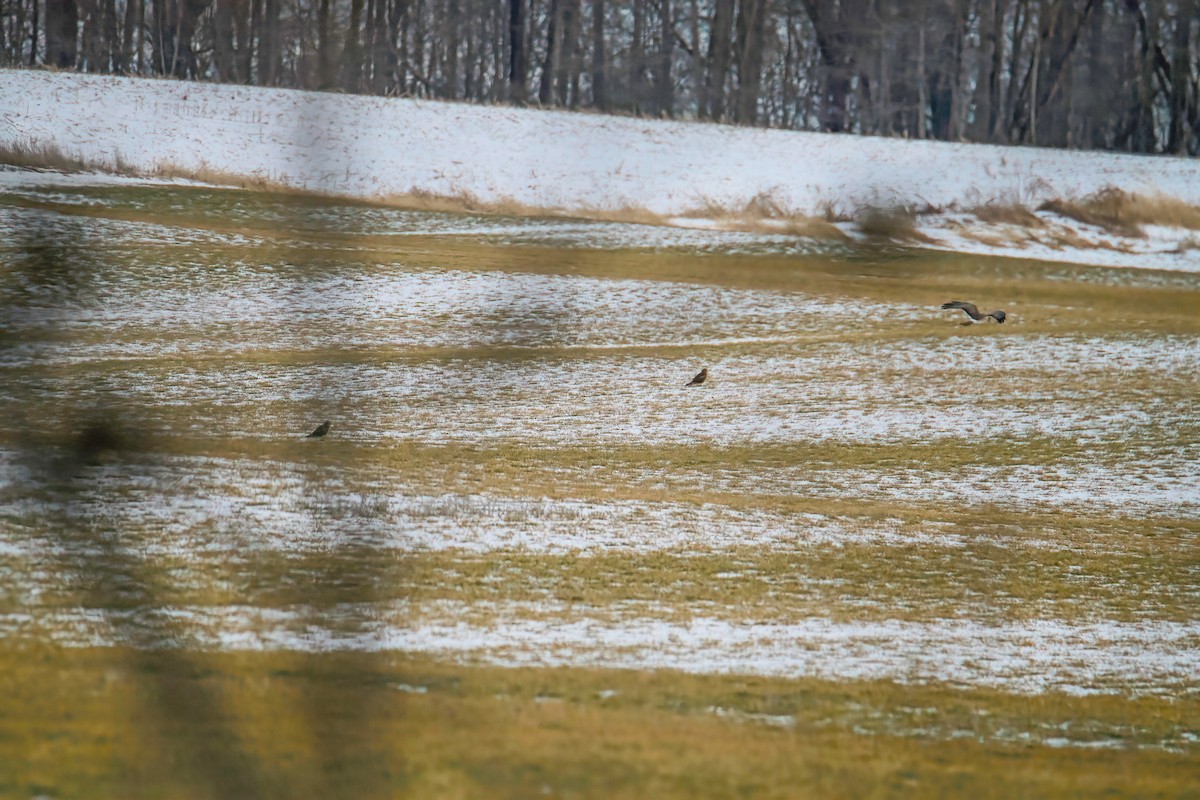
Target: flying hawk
700, 378
973, 311
321, 430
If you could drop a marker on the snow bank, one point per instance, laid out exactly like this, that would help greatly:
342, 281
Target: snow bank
533, 161
377, 148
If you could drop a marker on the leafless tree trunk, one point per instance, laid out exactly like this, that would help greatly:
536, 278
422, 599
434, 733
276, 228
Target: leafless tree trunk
570, 63
269, 51
832, 26
381, 51
600, 97
751, 24
922, 82
665, 87
112, 41
324, 78
223, 41
33, 36
517, 91
637, 57
352, 49
720, 52
62, 28
546, 92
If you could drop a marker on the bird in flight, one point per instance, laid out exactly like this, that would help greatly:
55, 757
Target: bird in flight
321, 430
974, 313
700, 378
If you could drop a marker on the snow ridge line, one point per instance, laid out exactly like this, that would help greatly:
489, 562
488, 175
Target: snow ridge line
450, 156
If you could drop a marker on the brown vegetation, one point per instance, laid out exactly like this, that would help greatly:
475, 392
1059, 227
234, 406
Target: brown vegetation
184, 722
77, 723
763, 214
895, 223
41, 157
1007, 214
1123, 213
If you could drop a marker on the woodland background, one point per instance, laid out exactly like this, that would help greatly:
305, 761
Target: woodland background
1092, 74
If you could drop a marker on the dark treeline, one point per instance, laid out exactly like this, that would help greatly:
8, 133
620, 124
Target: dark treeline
1106, 74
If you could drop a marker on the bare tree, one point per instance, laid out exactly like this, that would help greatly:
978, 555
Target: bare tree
600, 97
664, 86
517, 90
62, 29
1117, 74
720, 54
749, 46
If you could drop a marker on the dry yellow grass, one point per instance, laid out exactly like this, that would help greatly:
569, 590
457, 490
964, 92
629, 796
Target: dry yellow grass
763, 214
895, 223
990, 578
106, 723
1123, 213
40, 157
103, 723
1008, 214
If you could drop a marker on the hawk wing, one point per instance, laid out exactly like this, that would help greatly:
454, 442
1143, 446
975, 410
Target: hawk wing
970, 308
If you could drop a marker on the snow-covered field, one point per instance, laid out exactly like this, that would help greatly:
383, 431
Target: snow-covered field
554, 163
862, 490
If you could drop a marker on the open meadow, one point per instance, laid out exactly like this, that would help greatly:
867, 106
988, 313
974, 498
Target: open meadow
877, 553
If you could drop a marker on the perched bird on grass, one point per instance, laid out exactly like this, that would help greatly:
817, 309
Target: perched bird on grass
700, 378
321, 430
974, 313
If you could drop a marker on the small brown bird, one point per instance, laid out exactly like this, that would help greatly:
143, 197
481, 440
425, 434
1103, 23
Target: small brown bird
321, 430
700, 378
973, 311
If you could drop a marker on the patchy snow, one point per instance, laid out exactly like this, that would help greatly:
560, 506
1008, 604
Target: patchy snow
187, 505
585, 362
178, 507
631, 397
1166, 486
1161, 247
521, 160
390, 306
20, 178
1029, 656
